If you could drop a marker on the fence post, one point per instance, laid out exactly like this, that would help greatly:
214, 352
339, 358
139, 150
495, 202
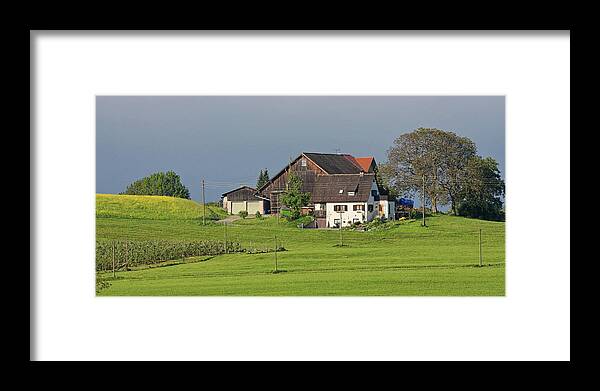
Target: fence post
275, 252
225, 224
113, 257
480, 258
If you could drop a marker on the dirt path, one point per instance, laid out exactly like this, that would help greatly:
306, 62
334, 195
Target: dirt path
229, 219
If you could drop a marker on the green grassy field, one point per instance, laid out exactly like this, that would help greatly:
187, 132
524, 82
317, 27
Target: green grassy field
152, 208
400, 258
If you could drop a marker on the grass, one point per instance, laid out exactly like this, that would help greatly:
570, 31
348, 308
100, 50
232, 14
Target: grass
401, 258
153, 208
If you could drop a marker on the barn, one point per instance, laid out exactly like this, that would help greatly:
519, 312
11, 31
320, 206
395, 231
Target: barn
344, 189
244, 198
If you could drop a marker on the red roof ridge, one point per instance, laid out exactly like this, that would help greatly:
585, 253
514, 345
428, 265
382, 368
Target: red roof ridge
364, 162
353, 160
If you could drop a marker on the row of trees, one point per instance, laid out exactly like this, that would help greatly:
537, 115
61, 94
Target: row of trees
449, 168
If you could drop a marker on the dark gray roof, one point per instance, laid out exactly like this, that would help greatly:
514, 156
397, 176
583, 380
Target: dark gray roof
335, 163
246, 188
327, 188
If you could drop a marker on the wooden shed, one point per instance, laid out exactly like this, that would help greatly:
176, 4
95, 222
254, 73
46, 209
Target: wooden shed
246, 199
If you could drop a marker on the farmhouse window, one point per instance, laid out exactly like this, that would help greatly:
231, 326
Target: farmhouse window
373, 193
358, 207
303, 162
370, 207
350, 193
340, 208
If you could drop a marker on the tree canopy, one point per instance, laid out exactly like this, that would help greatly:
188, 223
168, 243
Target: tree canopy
448, 166
263, 178
293, 197
480, 194
383, 176
160, 183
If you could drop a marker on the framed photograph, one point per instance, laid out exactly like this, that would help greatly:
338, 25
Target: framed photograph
300, 195
331, 196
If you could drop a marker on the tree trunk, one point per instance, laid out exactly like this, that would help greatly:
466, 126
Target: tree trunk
434, 205
453, 204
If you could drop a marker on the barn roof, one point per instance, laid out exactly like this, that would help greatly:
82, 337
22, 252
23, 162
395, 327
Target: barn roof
333, 163
330, 163
365, 162
327, 188
238, 189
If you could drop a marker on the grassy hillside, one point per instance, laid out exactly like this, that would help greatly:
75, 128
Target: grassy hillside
400, 258
152, 208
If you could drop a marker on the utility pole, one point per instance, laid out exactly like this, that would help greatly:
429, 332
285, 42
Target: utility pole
423, 194
480, 258
287, 183
203, 205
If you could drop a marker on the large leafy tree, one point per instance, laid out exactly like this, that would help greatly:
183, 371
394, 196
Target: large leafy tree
384, 175
457, 153
293, 197
482, 190
160, 183
435, 155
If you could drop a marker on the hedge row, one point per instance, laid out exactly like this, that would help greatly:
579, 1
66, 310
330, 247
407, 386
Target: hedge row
152, 251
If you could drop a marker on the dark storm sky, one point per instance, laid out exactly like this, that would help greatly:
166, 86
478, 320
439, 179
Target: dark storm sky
227, 139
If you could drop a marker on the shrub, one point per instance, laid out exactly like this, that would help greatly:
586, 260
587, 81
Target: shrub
303, 221
243, 214
160, 183
258, 215
287, 214
101, 283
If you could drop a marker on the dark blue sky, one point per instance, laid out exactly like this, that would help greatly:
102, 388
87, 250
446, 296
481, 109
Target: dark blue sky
227, 139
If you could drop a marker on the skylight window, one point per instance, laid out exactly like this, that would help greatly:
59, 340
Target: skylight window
341, 191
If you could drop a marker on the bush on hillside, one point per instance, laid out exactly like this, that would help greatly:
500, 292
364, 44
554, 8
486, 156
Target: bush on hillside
160, 183
258, 215
243, 214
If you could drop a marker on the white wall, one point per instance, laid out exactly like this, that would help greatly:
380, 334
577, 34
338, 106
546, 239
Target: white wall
371, 201
226, 204
387, 209
249, 206
348, 216
255, 206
